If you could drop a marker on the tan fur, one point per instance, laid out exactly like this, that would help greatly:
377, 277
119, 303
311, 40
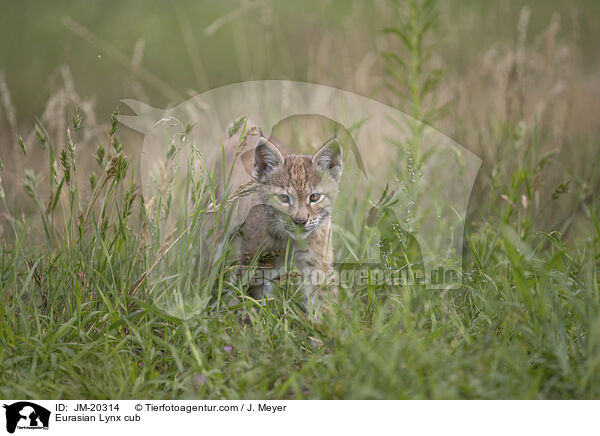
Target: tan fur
266, 222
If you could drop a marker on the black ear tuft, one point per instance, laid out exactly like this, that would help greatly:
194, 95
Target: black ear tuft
266, 157
329, 158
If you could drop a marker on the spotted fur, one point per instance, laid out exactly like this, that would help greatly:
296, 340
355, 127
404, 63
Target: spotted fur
281, 215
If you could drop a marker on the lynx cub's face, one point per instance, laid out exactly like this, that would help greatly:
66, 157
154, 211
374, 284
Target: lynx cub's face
297, 191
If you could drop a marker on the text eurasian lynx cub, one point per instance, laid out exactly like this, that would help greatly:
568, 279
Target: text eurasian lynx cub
288, 212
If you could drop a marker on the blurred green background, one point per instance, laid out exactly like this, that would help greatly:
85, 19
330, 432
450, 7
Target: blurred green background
198, 45
508, 66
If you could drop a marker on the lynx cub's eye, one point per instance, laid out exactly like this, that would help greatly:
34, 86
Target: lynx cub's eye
283, 198
314, 197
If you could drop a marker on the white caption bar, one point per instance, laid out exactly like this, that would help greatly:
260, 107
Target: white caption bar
297, 417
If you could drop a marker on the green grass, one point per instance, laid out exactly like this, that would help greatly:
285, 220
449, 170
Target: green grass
106, 305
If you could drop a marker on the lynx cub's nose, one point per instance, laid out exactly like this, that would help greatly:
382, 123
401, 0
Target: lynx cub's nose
300, 221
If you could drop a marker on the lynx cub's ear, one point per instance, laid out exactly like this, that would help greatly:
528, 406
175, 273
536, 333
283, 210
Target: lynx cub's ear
329, 158
266, 157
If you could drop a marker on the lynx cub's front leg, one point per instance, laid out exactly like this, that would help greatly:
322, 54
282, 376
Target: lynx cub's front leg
316, 266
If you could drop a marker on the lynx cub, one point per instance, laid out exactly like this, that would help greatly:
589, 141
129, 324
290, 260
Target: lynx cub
289, 210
